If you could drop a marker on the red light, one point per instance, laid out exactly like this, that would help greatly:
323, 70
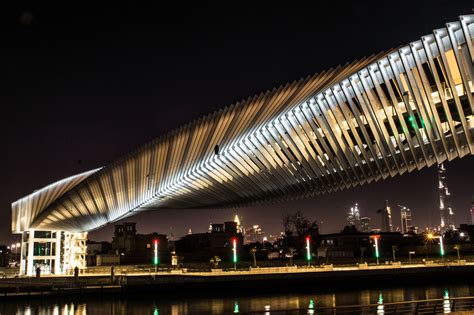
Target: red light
307, 238
155, 242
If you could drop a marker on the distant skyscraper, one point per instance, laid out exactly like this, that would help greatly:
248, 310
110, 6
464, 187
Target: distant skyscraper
365, 224
239, 227
253, 234
446, 212
353, 217
387, 225
405, 215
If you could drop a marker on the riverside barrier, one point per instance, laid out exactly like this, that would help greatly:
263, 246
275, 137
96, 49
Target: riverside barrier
183, 280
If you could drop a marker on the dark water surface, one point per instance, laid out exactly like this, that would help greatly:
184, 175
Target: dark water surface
228, 303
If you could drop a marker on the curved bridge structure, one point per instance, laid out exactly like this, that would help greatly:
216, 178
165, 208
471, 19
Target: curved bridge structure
384, 115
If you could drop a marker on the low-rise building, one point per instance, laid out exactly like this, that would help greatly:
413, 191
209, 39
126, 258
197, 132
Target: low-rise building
135, 248
353, 244
96, 248
203, 246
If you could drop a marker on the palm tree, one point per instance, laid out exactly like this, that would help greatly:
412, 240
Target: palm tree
457, 247
253, 251
215, 261
291, 253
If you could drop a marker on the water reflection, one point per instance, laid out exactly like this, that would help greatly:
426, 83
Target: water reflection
236, 307
380, 306
265, 304
446, 302
311, 306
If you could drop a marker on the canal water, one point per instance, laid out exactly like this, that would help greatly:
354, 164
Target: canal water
260, 303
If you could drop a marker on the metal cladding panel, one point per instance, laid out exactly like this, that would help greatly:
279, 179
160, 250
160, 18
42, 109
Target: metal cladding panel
374, 118
26, 209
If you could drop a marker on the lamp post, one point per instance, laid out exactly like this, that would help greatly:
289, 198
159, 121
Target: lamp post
308, 250
155, 254
441, 247
234, 252
431, 236
376, 245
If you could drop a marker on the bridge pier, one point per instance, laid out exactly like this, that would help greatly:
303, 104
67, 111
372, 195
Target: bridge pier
54, 252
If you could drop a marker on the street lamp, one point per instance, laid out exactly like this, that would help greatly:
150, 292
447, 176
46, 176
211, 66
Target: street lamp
155, 254
441, 246
308, 250
457, 247
234, 252
376, 245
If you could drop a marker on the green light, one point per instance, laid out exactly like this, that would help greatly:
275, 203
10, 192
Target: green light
308, 249
156, 311
234, 250
446, 294
311, 304
155, 252
377, 254
236, 307
441, 247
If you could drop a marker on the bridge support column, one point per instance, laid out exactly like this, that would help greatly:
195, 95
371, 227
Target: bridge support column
39, 249
53, 252
74, 252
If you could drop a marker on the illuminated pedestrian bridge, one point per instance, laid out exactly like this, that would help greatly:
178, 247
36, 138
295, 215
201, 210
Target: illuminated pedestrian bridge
387, 114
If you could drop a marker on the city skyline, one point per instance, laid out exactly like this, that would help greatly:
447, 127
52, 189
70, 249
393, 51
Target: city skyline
70, 160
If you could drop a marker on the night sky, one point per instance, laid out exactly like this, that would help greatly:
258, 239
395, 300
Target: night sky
83, 85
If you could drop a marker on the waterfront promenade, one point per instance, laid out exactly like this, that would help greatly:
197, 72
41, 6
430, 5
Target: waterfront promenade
133, 279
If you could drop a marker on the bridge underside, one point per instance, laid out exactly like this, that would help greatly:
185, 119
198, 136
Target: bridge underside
374, 118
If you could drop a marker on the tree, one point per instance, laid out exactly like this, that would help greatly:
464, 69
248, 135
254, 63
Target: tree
287, 222
394, 249
457, 247
297, 227
253, 251
290, 254
215, 261
298, 224
349, 229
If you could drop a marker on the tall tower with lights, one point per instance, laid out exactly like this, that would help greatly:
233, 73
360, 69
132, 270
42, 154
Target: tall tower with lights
353, 217
445, 210
405, 216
